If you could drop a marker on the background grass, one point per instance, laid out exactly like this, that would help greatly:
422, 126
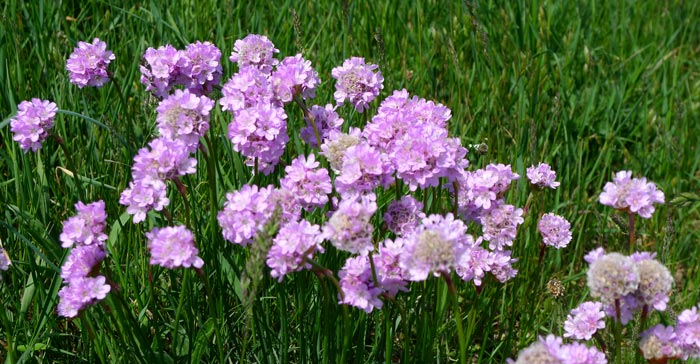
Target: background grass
589, 87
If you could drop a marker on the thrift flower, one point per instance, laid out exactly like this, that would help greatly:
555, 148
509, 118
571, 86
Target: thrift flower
81, 261
294, 76
200, 68
357, 82
688, 333
436, 247
32, 123
245, 213
659, 343
655, 284
542, 176
144, 195
309, 184
254, 51
611, 277
172, 247
349, 228
500, 224
337, 144
80, 293
161, 69
633, 194
357, 285
584, 321
87, 65
327, 122
555, 230
86, 227
295, 242
5, 261
403, 216
185, 116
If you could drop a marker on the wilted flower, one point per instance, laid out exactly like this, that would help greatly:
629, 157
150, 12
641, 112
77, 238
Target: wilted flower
555, 230
658, 343
357, 83
543, 351
633, 194
172, 247
335, 146
87, 65
32, 123
612, 276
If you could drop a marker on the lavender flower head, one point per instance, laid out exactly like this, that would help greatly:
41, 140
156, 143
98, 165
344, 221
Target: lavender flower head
659, 344
80, 293
81, 261
247, 88
403, 216
87, 65
436, 247
86, 227
201, 67
555, 230
184, 116
163, 159
542, 176
500, 224
32, 123
5, 261
611, 277
349, 228
633, 194
327, 122
254, 51
357, 285
296, 242
161, 69
309, 184
294, 76
584, 321
364, 168
144, 195
543, 351
172, 247
688, 333
245, 213
357, 82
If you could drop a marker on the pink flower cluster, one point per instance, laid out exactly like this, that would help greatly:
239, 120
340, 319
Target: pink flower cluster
256, 95
635, 195
183, 118
197, 68
296, 242
309, 184
552, 350
32, 123
542, 176
555, 230
357, 82
86, 231
87, 65
172, 247
661, 343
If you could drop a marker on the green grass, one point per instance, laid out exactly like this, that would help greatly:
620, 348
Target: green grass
589, 87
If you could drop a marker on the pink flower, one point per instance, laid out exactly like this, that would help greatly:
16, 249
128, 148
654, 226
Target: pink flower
87, 65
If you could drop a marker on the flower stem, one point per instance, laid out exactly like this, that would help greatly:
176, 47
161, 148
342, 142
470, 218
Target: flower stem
458, 318
617, 333
631, 226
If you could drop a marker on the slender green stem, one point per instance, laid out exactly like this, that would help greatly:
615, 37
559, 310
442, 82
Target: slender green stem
387, 336
9, 348
310, 117
458, 317
71, 165
183, 192
617, 333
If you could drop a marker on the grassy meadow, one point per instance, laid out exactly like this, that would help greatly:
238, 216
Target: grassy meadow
590, 87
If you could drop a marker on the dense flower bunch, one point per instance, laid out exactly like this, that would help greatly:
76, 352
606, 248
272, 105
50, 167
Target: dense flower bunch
357, 82
86, 231
296, 242
197, 68
349, 228
552, 350
327, 123
542, 176
255, 51
245, 213
555, 230
172, 247
309, 184
630, 282
403, 216
183, 118
87, 65
32, 123
584, 321
635, 195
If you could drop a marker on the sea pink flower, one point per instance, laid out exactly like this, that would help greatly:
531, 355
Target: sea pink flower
32, 123
87, 65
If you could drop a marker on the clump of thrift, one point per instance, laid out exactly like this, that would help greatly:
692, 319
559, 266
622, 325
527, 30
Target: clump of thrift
555, 230
32, 123
631, 194
357, 82
87, 65
172, 247
584, 321
542, 176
